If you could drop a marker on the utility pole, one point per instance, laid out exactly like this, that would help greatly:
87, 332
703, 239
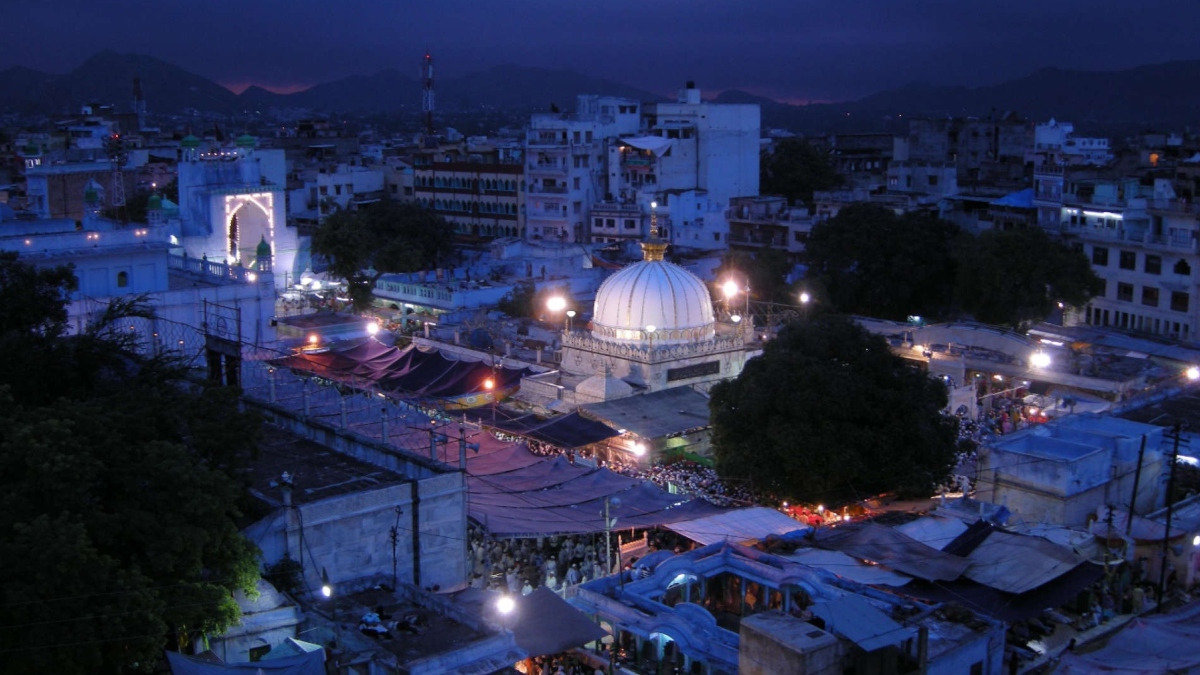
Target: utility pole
1162, 570
1137, 479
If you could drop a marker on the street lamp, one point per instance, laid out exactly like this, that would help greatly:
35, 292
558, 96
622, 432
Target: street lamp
805, 298
1041, 360
570, 315
506, 605
490, 384
1192, 373
557, 304
326, 587
373, 328
650, 334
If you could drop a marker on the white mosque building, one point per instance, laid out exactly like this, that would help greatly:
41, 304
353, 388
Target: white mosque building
231, 199
653, 328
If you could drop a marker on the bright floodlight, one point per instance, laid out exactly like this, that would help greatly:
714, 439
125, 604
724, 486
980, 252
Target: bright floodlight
326, 590
639, 449
1193, 373
372, 328
313, 339
505, 604
316, 285
729, 288
736, 318
251, 276
1196, 540
571, 313
651, 328
489, 384
556, 303
1040, 360
804, 298
654, 205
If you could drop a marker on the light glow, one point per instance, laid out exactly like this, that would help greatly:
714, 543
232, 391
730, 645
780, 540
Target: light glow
729, 288
1040, 360
372, 328
556, 304
1193, 373
804, 298
506, 604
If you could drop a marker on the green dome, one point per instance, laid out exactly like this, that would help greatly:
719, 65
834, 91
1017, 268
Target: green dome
155, 202
246, 141
264, 249
189, 141
90, 196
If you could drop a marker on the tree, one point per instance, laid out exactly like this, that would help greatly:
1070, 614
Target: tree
795, 169
387, 237
765, 270
1015, 277
829, 412
118, 492
875, 263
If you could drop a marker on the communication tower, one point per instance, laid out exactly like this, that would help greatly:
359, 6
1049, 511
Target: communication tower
427, 102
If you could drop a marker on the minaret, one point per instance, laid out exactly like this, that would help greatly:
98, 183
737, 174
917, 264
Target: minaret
654, 249
262, 256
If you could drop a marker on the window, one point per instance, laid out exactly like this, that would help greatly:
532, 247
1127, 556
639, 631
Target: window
1153, 264
630, 224
576, 182
1125, 292
933, 179
1182, 267
1179, 301
1149, 296
716, 236
122, 279
1099, 256
1128, 260
577, 207
256, 653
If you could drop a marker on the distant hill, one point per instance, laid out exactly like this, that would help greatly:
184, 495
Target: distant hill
1161, 95
1157, 95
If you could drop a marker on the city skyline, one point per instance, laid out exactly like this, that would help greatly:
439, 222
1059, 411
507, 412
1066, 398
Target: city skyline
791, 51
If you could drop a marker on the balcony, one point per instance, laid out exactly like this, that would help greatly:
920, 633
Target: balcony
1173, 206
547, 169
548, 189
637, 164
555, 215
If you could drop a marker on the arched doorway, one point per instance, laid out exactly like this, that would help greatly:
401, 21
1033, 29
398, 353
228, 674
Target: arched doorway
248, 224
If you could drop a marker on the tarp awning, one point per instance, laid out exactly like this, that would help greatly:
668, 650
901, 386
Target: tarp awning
309, 663
848, 568
859, 621
564, 431
546, 624
654, 415
1158, 645
886, 546
738, 525
655, 144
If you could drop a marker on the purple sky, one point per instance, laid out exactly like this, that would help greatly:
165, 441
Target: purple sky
793, 50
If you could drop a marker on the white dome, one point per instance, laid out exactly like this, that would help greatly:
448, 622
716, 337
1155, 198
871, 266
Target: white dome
653, 293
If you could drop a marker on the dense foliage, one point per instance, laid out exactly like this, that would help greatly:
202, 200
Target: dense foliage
387, 237
796, 169
874, 263
118, 491
1015, 277
829, 412
765, 270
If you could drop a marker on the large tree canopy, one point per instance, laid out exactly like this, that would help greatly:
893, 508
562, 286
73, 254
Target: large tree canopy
829, 412
1015, 277
118, 495
765, 270
382, 238
795, 169
875, 263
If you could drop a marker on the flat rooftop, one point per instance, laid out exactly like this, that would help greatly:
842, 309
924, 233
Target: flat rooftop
317, 472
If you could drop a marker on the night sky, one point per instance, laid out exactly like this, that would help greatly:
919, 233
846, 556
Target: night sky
794, 50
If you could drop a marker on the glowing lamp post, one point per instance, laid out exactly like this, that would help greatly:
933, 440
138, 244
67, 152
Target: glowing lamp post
490, 384
1040, 360
570, 316
650, 334
805, 298
373, 328
1192, 374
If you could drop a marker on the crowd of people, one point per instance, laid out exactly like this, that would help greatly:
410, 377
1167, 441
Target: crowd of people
696, 479
519, 566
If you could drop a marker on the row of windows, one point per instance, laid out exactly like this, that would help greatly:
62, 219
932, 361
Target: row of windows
502, 208
1103, 317
1150, 297
611, 223
1127, 260
457, 183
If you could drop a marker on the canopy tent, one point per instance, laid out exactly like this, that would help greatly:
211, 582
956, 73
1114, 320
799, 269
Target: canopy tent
410, 372
546, 624
1009, 607
1016, 563
738, 525
564, 431
1158, 645
934, 531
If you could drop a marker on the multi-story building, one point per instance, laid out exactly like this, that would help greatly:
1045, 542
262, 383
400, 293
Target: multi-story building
758, 222
1056, 143
476, 185
984, 151
607, 163
566, 154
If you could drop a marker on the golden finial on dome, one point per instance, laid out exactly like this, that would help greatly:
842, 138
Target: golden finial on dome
654, 249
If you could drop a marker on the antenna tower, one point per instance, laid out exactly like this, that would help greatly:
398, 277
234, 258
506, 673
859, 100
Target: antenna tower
114, 147
427, 103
